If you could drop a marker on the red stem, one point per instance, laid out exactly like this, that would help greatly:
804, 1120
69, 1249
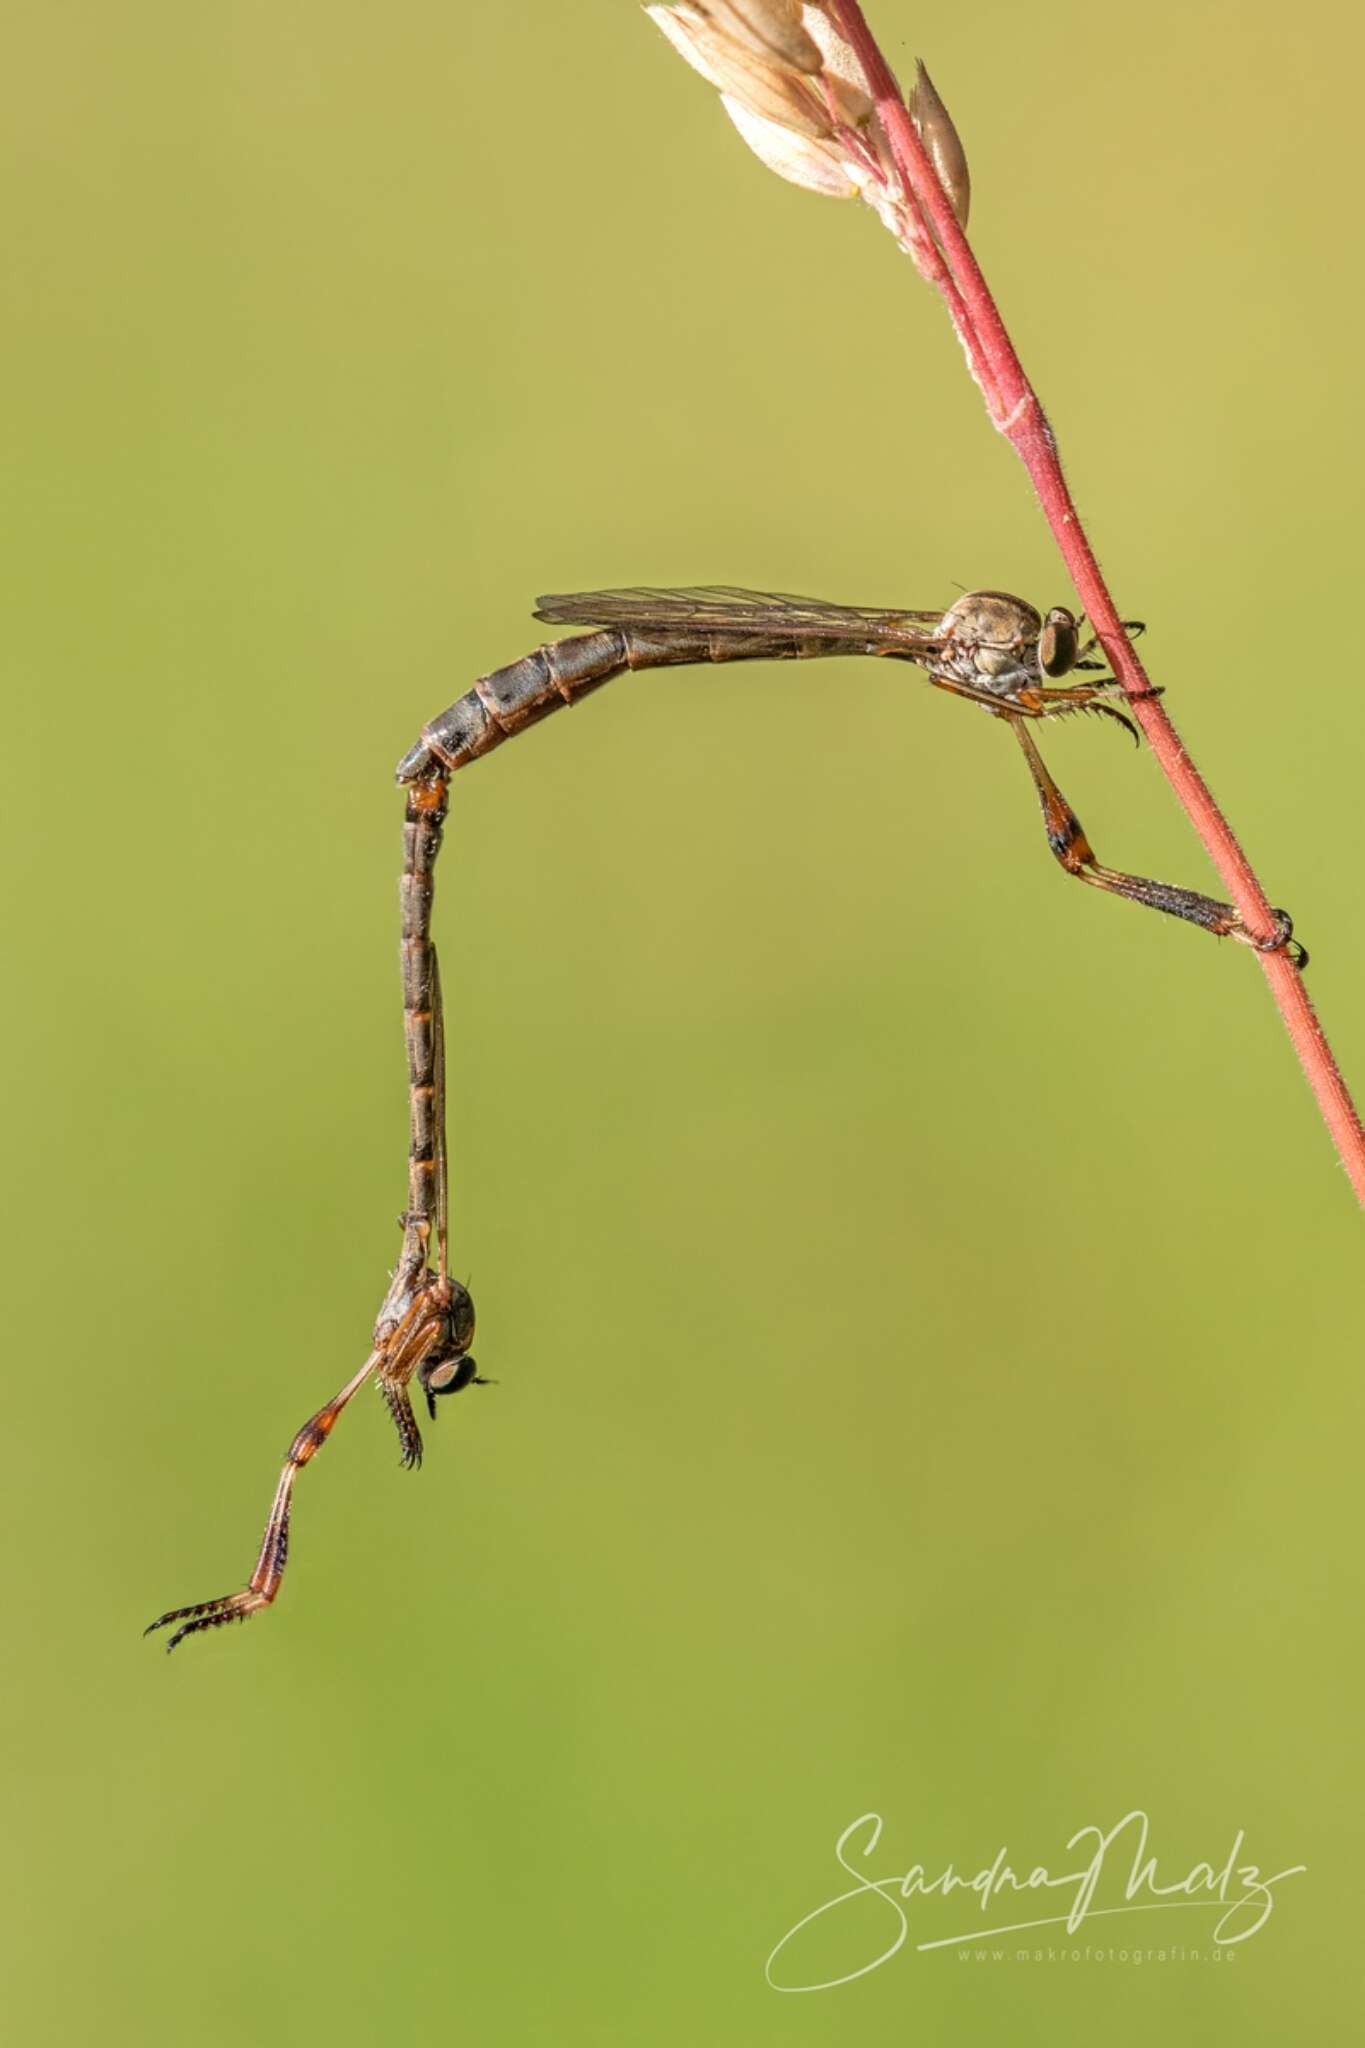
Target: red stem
1017, 412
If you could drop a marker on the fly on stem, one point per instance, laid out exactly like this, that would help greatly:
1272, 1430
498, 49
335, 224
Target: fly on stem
798, 95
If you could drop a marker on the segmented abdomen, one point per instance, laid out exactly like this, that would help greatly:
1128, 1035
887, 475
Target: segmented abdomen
511, 698
422, 828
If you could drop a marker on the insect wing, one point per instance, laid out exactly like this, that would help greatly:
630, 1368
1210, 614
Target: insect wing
719, 607
438, 1110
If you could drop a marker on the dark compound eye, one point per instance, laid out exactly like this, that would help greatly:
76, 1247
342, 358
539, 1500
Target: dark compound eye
447, 1376
1058, 642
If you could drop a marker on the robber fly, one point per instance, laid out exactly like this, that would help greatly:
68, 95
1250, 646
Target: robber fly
989, 647
426, 1323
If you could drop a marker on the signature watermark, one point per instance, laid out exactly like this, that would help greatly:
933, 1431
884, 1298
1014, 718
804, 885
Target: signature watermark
1108, 1874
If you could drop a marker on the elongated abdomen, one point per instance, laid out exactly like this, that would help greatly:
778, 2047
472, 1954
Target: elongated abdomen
509, 698
514, 697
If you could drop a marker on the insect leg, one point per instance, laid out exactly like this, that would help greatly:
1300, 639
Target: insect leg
1134, 628
409, 1350
1069, 845
405, 1422
264, 1582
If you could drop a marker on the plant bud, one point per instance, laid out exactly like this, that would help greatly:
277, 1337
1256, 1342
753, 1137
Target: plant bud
934, 125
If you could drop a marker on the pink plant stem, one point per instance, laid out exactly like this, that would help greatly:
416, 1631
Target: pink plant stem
1015, 409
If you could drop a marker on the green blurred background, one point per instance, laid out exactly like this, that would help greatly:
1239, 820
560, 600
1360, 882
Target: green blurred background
922, 1294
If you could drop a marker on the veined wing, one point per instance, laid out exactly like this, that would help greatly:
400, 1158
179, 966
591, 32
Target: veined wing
718, 607
438, 1118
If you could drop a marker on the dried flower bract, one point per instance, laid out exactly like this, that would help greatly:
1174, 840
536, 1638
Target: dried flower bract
817, 165
768, 86
797, 93
772, 28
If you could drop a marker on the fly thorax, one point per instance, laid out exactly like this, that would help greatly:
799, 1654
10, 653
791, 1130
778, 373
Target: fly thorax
999, 671
990, 640
459, 1316
1002, 671
397, 1304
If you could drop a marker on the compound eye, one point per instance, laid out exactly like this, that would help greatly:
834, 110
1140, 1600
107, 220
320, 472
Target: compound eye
451, 1376
1058, 643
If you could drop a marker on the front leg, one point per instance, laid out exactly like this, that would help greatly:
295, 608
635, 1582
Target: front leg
1043, 700
1070, 847
418, 1341
404, 1421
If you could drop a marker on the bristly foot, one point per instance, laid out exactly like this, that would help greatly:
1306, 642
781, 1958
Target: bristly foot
207, 1614
1282, 940
405, 1422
